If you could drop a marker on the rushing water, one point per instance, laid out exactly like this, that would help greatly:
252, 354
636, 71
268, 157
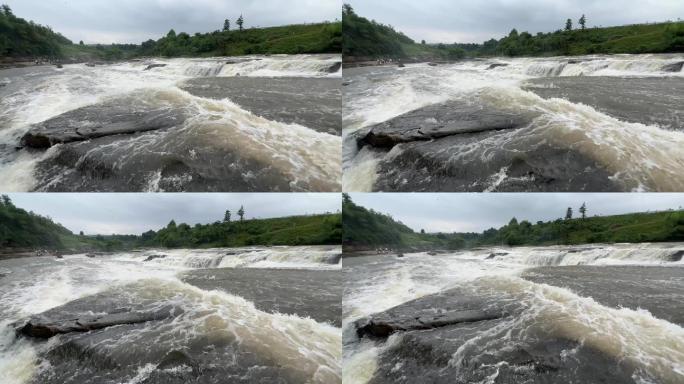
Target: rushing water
621, 302
218, 331
201, 143
622, 130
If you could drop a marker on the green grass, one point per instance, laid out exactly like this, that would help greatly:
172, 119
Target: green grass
365, 228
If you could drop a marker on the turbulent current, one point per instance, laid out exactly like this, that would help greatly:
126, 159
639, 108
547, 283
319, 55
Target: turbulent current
589, 314
219, 124
240, 315
590, 123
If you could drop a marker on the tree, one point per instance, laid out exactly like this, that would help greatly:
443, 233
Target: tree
226, 25
568, 25
345, 198
241, 213
347, 10
6, 201
422, 231
7, 10
422, 42
81, 42
80, 233
568, 214
171, 225
226, 217
583, 22
171, 34
583, 210
240, 21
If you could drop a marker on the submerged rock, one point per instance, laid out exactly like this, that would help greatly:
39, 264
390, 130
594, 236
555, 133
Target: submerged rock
152, 66
674, 67
152, 257
311, 102
334, 68
496, 65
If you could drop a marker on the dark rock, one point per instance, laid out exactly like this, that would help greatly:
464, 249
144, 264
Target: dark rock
90, 64
496, 254
152, 257
345, 83
401, 65
677, 256
114, 117
59, 66
335, 67
440, 120
674, 67
432, 253
151, 66
400, 254
44, 328
496, 65
383, 328
432, 64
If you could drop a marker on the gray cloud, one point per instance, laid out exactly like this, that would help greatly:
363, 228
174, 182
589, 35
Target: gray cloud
134, 213
469, 21
134, 21
475, 212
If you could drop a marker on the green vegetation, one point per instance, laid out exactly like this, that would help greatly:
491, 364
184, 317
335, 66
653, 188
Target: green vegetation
21, 39
289, 39
364, 228
364, 40
22, 230
368, 39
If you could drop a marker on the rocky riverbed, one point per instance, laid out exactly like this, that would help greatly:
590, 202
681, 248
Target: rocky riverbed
244, 315
553, 124
536, 315
244, 124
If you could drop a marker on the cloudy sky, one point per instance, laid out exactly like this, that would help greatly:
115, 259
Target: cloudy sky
134, 21
475, 212
474, 21
134, 213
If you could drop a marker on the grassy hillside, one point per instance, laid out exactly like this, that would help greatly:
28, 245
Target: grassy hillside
294, 230
641, 38
365, 228
21, 230
21, 39
289, 39
364, 39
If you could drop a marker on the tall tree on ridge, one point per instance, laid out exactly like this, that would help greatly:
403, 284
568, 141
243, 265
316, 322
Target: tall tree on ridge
240, 21
241, 213
583, 22
226, 25
568, 25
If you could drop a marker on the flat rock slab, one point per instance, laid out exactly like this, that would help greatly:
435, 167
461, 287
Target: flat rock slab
656, 289
440, 120
650, 100
305, 293
113, 117
45, 327
312, 102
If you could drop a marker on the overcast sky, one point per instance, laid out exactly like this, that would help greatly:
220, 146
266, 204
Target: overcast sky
134, 21
475, 212
474, 21
134, 213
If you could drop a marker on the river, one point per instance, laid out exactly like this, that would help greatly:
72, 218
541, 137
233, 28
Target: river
591, 314
253, 123
588, 123
257, 314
